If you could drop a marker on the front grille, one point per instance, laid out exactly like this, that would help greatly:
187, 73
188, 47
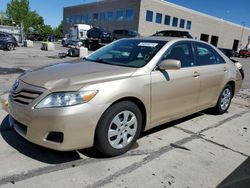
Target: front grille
25, 96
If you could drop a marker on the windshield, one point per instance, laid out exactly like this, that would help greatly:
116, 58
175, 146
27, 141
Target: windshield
129, 52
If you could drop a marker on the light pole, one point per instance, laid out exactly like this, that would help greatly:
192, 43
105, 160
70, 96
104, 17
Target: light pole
21, 29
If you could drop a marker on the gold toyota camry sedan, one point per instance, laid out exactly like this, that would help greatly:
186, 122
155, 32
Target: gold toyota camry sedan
108, 98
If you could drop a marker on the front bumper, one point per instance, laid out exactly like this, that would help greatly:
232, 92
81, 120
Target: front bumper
76, 123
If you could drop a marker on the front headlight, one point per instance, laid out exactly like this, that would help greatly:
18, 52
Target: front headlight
63, 99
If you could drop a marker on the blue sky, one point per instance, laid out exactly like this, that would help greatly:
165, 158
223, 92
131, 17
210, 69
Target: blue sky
231, 10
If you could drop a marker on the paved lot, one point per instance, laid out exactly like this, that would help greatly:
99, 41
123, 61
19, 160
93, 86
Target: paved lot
202, 150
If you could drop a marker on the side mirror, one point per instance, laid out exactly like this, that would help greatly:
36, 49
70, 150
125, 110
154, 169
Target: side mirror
170, 64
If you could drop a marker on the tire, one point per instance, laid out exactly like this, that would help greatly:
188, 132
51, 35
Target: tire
113, 135
10, 46
63, 43
224, 100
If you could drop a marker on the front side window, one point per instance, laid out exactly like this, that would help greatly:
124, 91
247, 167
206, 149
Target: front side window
129, 14
128, 53
175, 22
149, 16
205, 55
183, 52
167, 20
119, 15
158, 18
111, 16
182, 23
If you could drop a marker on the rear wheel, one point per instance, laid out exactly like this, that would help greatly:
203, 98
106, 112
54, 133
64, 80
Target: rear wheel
118, 128
224, 100
10, 46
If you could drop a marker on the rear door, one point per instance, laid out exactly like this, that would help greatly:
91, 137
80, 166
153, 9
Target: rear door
213, 71
175, 92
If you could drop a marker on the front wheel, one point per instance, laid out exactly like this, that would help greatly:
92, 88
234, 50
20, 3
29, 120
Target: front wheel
118, 128
224, 100
10, 46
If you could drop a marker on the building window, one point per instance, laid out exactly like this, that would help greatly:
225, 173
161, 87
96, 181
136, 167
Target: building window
149, 16
167, 20
189, 24
95, 17
102, 17
71, 19
77, 19
158, 18
119, 15
129, 14
182, 23
89, 19
67, 19
175, 22
83, 19
111, 16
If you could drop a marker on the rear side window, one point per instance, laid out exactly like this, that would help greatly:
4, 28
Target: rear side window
219, 59
183, 52
205, 55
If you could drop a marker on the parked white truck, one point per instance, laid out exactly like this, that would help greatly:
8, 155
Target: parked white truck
76, 34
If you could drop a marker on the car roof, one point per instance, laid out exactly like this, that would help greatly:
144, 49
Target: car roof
168, 39
172, 31
159, 38
1, 32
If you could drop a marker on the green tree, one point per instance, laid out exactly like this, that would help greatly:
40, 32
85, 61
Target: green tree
45, 30
58, 31
2, 18
34, 21
19, 11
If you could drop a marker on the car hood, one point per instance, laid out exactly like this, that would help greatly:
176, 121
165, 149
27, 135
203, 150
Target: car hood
74, 75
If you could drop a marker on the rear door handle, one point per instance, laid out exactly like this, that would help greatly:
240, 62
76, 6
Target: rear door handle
225, 69
196, 74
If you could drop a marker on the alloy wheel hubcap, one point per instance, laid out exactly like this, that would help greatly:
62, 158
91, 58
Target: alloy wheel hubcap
225, 99
122, 129
10, 47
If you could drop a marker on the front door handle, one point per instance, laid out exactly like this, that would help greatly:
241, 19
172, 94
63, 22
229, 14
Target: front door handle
196, 74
